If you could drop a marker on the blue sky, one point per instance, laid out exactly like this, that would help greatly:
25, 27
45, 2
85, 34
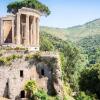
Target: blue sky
65, 13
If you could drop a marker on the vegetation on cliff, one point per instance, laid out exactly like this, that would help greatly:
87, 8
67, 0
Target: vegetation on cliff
8, 59
80, 67
36, 93
73, 61
80, 60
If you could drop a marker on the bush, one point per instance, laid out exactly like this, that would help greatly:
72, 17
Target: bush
3, 61
9, 59
35, 93
31, 86
19, 48
41, 95
46, 45
29, 56
83, 96
36, 57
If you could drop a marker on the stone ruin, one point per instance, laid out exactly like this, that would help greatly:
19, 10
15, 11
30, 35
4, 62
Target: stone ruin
14, 77
21, 29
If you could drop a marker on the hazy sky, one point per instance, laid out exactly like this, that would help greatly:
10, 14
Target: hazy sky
65, 13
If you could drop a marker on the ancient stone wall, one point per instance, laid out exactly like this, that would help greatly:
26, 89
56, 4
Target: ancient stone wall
14, 77
11, 76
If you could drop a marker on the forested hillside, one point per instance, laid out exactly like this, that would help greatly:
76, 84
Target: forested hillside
73, 61
85, 36
79, 47
75, 33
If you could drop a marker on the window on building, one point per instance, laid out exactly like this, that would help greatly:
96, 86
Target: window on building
21, 73
42, 71
22, 94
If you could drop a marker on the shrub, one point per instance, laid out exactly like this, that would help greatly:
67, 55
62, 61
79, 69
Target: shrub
9, 59
35, 93
46, 45
29, 56
19, 48
83, 96
3, 61
36, 57
41, 95
31, 87
12, 57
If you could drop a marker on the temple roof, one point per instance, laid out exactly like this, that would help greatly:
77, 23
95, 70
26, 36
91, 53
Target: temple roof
30, 10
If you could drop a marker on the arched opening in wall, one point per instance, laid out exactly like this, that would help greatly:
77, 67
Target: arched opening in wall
22, 94
42, 71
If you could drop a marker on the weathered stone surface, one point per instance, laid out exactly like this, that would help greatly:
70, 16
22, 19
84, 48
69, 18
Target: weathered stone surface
47, 77
1, 98
22, 30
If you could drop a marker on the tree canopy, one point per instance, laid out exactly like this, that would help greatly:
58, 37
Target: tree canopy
90, 80
73, 62
35, 4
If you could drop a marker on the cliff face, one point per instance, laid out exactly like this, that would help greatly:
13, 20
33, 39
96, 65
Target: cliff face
44, 68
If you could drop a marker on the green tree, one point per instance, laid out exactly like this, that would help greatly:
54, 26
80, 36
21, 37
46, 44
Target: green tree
35, 4
41, 95
45, 44
73, 62
31, 88
90, 80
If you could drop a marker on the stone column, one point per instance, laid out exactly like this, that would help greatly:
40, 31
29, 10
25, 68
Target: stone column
27, 31
34, 31
18, 30
13, 41
31, 34
37, 32
1, 32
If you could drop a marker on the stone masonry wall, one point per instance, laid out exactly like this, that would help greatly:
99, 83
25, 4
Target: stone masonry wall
11, 83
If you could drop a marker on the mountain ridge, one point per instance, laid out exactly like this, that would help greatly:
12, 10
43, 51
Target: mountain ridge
75, 33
